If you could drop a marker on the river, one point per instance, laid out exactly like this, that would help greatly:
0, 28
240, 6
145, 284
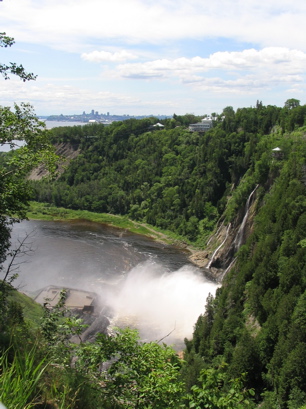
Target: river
149, 285
55, 124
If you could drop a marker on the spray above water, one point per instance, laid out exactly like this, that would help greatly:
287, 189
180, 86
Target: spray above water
152, 297
157, 302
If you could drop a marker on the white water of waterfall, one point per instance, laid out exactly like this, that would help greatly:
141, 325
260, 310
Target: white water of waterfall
228, 268
240, 233
158, 302
219, 247
215, 234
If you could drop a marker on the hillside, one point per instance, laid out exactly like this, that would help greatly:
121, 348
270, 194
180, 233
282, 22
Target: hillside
237, 192
257, 321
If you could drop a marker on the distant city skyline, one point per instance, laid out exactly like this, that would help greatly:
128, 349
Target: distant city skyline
144, 57
93, 113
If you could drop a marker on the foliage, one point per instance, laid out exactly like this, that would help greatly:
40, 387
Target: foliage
13, 68
19, 128
183, 182
140, 375
171, 178
257, 323
125, 372
19, 379
212, 393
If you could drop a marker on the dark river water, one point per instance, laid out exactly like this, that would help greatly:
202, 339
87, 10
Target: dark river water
147, 284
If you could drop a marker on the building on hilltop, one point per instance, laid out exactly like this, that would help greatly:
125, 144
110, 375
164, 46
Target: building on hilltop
202, 126
156, 126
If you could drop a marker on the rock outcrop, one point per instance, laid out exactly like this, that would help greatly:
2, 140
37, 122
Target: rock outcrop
66, 153
220, 254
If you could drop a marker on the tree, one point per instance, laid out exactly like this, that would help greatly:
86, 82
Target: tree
126, 372
292, 103
213, 394
133, 374
228, 111
13, 68
21, 130
19, 127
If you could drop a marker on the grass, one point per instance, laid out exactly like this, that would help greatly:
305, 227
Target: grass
19, 380
45, 211
31, 310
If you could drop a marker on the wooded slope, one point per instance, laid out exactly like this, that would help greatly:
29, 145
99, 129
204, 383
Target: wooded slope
187, 182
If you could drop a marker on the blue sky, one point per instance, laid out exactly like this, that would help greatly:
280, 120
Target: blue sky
142, 57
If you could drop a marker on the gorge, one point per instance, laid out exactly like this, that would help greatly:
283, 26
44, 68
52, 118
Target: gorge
145, 284
228, 193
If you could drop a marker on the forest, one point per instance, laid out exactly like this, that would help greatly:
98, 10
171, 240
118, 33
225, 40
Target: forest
171, 178
185, 182
248, 346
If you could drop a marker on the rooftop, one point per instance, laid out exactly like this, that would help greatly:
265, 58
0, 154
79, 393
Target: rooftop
75, 299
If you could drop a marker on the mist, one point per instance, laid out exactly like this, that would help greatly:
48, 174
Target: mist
157, 302
145, 285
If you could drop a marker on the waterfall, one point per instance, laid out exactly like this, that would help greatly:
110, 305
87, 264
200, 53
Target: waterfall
218, 248
240, 233
228, 268
215, 234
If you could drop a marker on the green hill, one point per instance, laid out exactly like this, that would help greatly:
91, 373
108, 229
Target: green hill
238, 193
32, 312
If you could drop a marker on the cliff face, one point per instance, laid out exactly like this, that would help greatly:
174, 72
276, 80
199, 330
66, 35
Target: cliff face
256, 321
220, 254
66, 153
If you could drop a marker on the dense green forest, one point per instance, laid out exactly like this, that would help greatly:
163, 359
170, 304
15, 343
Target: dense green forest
248, 347
249, 344
185, 182
171, 178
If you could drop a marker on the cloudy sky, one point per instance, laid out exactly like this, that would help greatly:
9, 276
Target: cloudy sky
142, 57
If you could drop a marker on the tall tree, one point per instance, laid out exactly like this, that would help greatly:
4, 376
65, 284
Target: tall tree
21, 130
292, 103
13, 68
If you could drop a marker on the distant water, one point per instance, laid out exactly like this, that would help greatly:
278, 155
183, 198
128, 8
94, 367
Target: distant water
49, 125
54, 124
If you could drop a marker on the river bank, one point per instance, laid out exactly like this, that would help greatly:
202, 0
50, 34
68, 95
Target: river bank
45, 211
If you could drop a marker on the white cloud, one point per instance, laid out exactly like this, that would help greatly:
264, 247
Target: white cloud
48, 95
52, 98
246, 72
282, 61
266, 52
248, 85
72, 25
99, 56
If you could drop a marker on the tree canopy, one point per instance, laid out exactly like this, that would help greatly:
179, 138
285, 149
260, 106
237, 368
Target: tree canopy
13, 68
251, 338
27, 138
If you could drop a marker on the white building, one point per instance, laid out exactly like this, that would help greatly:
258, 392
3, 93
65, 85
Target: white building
202, 126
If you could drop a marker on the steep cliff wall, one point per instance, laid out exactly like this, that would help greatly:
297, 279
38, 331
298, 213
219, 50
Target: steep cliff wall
220, 254
66, 153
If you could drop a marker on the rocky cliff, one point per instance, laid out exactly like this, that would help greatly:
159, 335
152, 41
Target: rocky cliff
220, 254
66, 153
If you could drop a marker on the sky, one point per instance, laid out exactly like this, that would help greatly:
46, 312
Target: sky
154, 57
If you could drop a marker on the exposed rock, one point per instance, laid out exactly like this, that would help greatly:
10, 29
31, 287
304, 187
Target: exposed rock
66, 152
99, 326
220, 254
200, 258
